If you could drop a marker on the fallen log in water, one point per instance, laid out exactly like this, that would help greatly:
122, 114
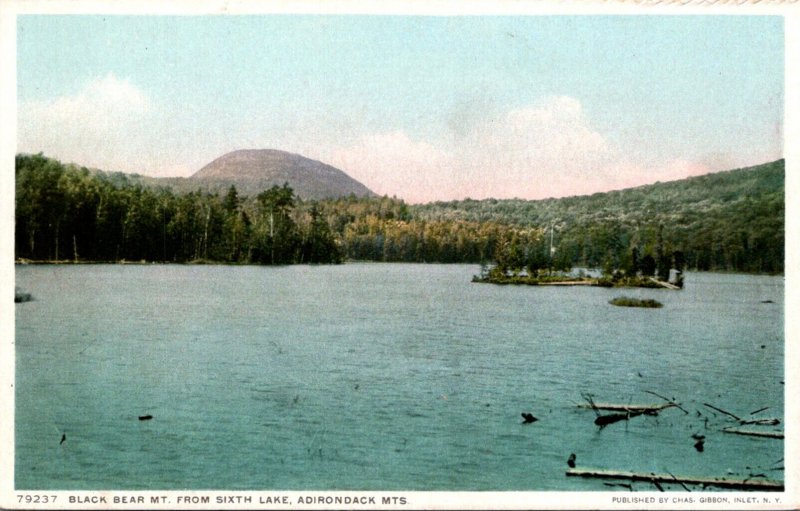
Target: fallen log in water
736, 484
605, 420
626, 408
664, 284
729, 414
668, 400
744, 422
763, 422
611, 418
750, 432
628, 411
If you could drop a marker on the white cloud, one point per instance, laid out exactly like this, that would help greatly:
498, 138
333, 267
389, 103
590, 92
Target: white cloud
533, 152
548, 149
86, 126
549, 143
109, 124
394, 164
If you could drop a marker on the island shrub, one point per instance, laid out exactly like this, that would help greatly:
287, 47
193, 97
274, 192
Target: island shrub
637, 281
21, 296
625, 301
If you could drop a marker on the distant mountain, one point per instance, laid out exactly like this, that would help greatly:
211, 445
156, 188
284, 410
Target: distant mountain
255, 170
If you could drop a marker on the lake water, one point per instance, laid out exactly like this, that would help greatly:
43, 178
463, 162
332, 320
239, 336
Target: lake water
381, 377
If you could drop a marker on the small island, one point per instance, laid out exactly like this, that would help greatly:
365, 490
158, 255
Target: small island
503, 276
625, 301
515, 265
21, 296
532, 261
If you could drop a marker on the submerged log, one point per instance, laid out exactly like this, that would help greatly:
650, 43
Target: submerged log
605, 420
750, 432
736, 484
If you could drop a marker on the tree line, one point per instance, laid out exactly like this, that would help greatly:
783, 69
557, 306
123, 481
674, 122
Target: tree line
727, 221
66, 212
71, 213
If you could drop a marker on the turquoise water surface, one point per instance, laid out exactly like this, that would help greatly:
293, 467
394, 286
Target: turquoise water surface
381, 377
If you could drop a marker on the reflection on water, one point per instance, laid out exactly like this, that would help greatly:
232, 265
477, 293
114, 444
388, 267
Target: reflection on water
380, 376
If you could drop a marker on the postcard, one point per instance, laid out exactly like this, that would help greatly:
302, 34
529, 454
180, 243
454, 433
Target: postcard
399, 255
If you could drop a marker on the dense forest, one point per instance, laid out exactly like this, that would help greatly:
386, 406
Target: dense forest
71, 213
731, 221
726, 221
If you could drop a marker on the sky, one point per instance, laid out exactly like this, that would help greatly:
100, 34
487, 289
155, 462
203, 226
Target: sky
420, 107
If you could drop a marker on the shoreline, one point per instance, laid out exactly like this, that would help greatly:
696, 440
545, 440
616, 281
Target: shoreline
587, 282
639, 281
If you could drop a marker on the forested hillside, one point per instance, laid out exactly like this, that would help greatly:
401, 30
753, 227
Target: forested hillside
727, 221
71, 213
730, 220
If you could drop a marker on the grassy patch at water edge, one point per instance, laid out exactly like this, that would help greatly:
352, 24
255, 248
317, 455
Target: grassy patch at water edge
625, 301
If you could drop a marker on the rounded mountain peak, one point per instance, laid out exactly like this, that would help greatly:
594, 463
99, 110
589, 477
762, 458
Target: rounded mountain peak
255, 170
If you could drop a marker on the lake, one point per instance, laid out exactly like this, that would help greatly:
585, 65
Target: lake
382, 377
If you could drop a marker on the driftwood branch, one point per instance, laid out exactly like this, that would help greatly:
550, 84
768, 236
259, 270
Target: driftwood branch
745, 422
679, 482
735, 484
766, 434
626, 408
729, 414
627, 411
590, 400
671, 401
762, 422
